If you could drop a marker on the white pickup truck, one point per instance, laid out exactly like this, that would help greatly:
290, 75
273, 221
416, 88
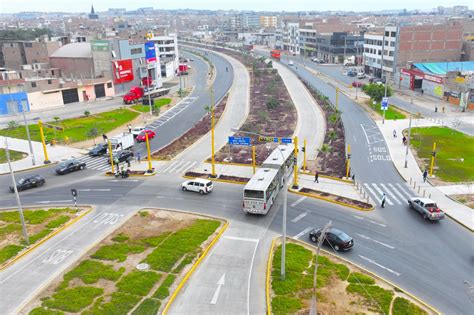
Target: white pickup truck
122, 141
427, 208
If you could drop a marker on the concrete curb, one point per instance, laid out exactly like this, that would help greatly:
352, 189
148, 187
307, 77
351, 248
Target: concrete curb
267, 282
372, 274
330, 200
191, 271
228, 181
43, 240
32, 168
327, 176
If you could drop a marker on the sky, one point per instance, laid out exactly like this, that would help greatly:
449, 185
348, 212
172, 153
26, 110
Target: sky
13, 6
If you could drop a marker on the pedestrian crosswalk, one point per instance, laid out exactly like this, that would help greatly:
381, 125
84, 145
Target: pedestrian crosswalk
177, 167
99, 163
169, 114
395, 193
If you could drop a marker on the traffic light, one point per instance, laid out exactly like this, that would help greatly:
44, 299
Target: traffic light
433, 153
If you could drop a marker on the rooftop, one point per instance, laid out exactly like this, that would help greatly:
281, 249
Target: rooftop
74, 50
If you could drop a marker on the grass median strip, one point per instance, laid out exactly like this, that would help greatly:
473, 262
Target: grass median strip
158, 103
14, 156
341, 288
170, 240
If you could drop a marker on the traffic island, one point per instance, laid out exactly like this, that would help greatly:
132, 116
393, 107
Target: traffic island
341, 287
151, 172
41, 224
217, 177
135, 268
341, 200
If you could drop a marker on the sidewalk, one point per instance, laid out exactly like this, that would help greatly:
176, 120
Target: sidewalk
413, 175
55, 154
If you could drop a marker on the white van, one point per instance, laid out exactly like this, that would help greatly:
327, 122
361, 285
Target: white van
290, 63
200, 185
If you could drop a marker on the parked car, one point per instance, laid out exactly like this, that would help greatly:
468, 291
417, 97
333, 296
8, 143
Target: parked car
357, 84
361, 75
70, 166
315, 60
200, 185
121, 156
427, 208
291, 63
377, 80
334, 238
321, 61
142, 136
136, 131
98, 150
351, 73
28, 182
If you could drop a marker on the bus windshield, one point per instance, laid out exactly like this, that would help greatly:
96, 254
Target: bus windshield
256, 194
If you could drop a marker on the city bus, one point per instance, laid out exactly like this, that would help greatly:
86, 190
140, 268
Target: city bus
262, 189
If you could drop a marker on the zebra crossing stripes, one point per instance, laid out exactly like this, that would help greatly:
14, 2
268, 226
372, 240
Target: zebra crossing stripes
394, 193
169, 114
99, 163
177, 167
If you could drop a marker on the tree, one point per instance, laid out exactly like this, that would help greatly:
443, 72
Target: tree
93, 133
87, 113
272, 103
12, 125
376, 91
56, 118
325, 150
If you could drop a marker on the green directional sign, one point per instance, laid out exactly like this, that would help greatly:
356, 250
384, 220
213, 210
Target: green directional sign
99, 45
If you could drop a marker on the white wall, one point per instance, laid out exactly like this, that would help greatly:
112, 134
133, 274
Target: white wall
39, 100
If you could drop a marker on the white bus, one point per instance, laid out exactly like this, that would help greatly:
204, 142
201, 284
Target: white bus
262, 189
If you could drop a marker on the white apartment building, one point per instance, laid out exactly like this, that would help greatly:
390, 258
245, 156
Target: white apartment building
167, 50
291, 38
379, 47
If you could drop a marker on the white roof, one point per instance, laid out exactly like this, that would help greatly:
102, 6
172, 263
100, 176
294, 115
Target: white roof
275, 159
262, 179
74, 50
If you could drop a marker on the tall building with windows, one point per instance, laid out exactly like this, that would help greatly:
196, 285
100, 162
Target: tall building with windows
268, 21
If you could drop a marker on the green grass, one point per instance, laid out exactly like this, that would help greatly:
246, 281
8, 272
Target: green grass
138, 282
357, 277
44, 311
14, 156
73, 300
76, 129
40, 235
186, 261
90, 271
9, 251
120, 303
392, 113
285, 305
9, 229
377, 298
117, 252
32, 216
164, 290
182, 242
147, 307
454, 152
58, 222
158, 104
154, 241
120, 238
402, 306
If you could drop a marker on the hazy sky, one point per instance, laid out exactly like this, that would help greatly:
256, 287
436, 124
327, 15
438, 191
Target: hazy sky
10, 6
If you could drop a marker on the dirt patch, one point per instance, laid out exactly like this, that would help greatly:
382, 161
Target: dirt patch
468, 200
345, 200
202, 127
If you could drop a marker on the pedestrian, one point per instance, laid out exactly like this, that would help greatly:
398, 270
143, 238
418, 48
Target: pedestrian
436, 108
104, 136
442, 109
394, 133
316, 177
139, 157
383, 200
404, 140
129, 128
422, 92
425, 175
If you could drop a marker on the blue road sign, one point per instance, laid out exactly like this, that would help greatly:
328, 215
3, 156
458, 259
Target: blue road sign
384, 104
239, 140
286, 140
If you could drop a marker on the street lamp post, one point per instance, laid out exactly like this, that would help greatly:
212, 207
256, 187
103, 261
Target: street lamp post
385, 96
149, 94
28, 133
408, 144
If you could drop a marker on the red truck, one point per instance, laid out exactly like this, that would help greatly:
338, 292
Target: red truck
137, 93
183, 69
275, 53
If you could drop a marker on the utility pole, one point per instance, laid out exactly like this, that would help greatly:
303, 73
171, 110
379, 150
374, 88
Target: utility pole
28, 134
408, 143
46, 158
314, 309
150, 169
385, 96
149, 94
213, 173
433, 155
283, 241
17, 196
295, 167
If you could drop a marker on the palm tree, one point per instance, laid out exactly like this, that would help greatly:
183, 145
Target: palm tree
325, 150
332, 135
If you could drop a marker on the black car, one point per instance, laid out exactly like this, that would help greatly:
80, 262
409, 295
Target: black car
121, 156
28, 182
334, 238
98, 150
70, 166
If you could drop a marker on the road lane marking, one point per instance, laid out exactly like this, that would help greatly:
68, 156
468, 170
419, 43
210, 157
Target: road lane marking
57, 256
123, 180
301, 216
245, 239
381, 192
51, 201
374, 195
358, 217
396, 191
379, 265
409, 195
371, 221
250, 277
220, 283
95, 189
390, 193
297, 202
297, 236
375, 241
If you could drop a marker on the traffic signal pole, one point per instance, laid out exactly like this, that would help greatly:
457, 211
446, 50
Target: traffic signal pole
253, 158
46, 158
295, 168
348, 161
304, 155
433, 155
111, 156
148, 152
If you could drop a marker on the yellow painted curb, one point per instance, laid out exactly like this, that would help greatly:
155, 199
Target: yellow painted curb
432, 308
267, 286
229, 181
191, 271
330, 200
35, 245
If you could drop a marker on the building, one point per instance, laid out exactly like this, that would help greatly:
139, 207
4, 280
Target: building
291, 38
167, 51
93, 15
374, 45
74, 60
268, 21
13, 98
14, 54
250, 21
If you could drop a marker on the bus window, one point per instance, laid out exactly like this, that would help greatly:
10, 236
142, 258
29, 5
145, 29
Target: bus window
256, 194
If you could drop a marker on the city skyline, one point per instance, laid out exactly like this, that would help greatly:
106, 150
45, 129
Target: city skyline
264, 5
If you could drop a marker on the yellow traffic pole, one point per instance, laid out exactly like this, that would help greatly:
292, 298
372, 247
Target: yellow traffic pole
46, 158
433, 155
213, 173
348, 161
111, 156
304, 155
295, 168
253, 158
149, 153
337, 98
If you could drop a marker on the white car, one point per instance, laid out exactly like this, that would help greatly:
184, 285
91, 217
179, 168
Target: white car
361, 75
290, 63
137, 130
200, 185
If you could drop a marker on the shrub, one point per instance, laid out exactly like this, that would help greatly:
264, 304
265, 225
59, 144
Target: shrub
73, 300
57, 222
272, 103
138, 282
357, 277
42, 311
9, 251
87, 113
374, 296
38, 236
120, 303
285, 305
120, 238
402, 306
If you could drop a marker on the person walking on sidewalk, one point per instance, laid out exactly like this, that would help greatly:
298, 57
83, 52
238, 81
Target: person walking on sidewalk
394, 133
139, 157
404, 140
129, 126
383, 200
442, 109
316, 177
425, 175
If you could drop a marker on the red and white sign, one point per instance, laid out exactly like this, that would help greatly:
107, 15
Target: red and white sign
123, 70
433, 78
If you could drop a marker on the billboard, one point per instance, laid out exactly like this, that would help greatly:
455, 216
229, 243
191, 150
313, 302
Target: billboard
150, 53
123, 70
100, 45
